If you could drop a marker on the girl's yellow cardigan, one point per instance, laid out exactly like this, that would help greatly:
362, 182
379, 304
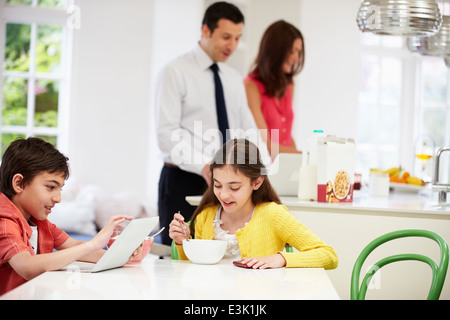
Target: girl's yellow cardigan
271, 227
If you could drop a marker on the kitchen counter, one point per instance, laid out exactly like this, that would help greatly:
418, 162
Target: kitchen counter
398, 204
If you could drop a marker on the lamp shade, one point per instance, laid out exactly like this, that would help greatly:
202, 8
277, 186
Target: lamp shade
399, 17
436, 45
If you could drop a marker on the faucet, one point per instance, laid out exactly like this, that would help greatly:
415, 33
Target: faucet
441, 187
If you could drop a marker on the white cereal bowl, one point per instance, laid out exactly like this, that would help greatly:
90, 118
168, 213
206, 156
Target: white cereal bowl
204, 251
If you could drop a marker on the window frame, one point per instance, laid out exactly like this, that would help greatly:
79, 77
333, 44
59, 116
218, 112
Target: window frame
34, 16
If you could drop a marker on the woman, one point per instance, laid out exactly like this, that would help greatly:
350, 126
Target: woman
270, 84
241, 207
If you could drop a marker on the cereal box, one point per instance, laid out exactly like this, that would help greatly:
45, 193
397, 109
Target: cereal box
335, 169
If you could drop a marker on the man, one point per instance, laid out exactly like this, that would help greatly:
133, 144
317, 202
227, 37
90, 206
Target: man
186, 116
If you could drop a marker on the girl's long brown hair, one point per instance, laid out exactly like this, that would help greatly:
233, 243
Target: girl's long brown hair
275, 46
244, 157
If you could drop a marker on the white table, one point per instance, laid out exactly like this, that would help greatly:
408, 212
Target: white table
166, 279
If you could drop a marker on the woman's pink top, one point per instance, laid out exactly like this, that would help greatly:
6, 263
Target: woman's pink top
278, 113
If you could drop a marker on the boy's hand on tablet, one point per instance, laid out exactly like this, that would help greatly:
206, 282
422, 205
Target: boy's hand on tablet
136, 254
103, 236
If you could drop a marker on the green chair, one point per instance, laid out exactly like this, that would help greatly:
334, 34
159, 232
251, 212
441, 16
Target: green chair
439, 272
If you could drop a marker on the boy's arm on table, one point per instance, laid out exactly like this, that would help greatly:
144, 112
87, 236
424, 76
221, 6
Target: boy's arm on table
29, 266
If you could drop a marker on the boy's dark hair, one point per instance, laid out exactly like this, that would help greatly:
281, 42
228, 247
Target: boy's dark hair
221, 10
30, 157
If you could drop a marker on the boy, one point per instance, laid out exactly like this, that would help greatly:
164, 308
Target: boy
32, 174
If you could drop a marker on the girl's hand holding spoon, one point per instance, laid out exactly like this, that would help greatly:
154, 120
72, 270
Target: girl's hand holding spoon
176, 231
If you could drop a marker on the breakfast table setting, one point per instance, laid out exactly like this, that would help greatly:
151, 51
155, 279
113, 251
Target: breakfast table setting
208, 274
165, 279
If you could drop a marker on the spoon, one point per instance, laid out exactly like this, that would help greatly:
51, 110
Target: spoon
158, 232
182, 226
115, 237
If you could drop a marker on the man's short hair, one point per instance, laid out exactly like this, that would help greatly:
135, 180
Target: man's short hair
221, 10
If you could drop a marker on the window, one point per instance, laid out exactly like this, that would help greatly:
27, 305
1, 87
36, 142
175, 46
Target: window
35, 71
433, 114
403, 108
380, 102
432, 99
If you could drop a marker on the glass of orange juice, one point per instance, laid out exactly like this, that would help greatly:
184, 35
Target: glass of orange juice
424, 151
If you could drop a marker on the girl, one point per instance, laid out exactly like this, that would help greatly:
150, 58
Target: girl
241, 207
270, 84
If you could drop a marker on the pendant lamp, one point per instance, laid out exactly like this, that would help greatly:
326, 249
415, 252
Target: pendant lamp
399, 17
417, 45
436, 45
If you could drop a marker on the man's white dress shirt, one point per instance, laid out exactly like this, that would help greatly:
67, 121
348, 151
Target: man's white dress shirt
186, 116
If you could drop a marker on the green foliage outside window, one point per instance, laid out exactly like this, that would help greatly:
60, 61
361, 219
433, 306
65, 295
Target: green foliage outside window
57, 4
16, 84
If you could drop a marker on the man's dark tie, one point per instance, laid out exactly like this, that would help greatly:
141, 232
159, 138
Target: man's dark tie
222, 118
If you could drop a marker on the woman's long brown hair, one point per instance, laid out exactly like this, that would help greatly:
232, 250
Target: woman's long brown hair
244, 157
275, 46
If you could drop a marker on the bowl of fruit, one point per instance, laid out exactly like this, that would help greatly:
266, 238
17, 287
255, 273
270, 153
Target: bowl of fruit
401, 180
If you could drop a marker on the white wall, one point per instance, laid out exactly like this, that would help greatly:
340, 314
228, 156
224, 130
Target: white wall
327, 88
109, 126
171, 37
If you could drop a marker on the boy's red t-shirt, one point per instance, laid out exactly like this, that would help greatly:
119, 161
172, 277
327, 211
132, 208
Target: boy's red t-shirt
15, 233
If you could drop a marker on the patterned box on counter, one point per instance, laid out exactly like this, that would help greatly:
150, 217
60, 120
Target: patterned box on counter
335, 169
